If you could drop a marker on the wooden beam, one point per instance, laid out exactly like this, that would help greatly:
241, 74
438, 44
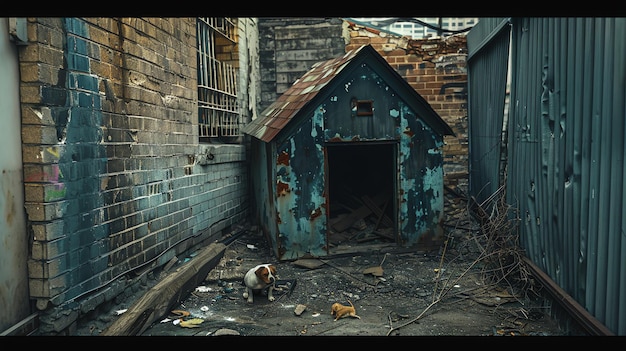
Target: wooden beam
357, 214
374, 207
162, 297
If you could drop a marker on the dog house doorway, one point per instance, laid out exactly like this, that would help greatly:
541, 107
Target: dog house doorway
361, 183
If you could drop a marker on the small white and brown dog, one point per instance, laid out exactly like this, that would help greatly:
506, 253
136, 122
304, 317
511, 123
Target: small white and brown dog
259, 278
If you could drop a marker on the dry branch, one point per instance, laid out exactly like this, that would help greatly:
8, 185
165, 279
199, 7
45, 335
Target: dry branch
500, 256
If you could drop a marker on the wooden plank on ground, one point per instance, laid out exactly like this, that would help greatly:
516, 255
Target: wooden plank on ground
161, 298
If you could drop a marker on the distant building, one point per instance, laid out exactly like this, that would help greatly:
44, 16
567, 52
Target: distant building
420, 27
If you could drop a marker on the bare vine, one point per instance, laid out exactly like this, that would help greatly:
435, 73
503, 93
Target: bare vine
499, 259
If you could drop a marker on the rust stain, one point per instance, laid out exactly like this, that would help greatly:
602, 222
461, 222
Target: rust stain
282, 188
409, 132
10, 215
316, 213
283, 159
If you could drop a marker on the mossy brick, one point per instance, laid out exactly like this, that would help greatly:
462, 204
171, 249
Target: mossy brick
100, 248
76, 26
117, 255
86, 274
114, 289
66, 323
53, 96
77, 62
76, 45
91, 302
83, 81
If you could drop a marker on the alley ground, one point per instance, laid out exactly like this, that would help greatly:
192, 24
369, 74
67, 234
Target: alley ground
398, 302
447, 291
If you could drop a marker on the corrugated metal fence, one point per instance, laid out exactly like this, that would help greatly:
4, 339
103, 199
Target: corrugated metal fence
562, 142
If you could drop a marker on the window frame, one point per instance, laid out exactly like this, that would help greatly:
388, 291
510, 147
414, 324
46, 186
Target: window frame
219, 118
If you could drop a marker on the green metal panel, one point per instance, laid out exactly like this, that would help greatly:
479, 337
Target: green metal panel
566, 153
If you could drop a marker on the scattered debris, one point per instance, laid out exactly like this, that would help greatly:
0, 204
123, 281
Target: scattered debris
180, 314
226, 331
203, 289
309, 263
375, 271
191, 323
470, 281
119, 312
299, 309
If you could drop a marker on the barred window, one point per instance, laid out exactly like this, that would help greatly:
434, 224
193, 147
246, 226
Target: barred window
218, 110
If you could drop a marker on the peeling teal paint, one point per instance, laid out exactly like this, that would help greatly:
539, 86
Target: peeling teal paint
416, 188
400, 122
302, 209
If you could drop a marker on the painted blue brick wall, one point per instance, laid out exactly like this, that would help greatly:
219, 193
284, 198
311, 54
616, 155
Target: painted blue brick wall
123, 197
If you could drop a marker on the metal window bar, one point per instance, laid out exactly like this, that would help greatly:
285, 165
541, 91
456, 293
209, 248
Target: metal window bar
218, 111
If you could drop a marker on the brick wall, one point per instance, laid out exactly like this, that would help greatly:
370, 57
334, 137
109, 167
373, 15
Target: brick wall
110, 149
436, 68
290, 46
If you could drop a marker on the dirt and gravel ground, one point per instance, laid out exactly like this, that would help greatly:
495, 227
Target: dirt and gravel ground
395, 294
447, 291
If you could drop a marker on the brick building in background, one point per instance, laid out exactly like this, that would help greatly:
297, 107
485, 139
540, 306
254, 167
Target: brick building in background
435, 67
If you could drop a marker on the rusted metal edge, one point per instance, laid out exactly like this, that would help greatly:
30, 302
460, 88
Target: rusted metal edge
573, 308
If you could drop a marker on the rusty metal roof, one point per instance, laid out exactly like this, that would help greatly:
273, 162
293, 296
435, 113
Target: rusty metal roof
276, 116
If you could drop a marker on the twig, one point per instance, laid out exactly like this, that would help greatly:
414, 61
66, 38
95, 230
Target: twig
500, 252
347, 273
384, 257
437, 300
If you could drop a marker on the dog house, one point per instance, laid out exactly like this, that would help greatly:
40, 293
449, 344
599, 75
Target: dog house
349, 141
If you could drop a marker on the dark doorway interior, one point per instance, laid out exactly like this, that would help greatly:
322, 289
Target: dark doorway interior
361, 184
